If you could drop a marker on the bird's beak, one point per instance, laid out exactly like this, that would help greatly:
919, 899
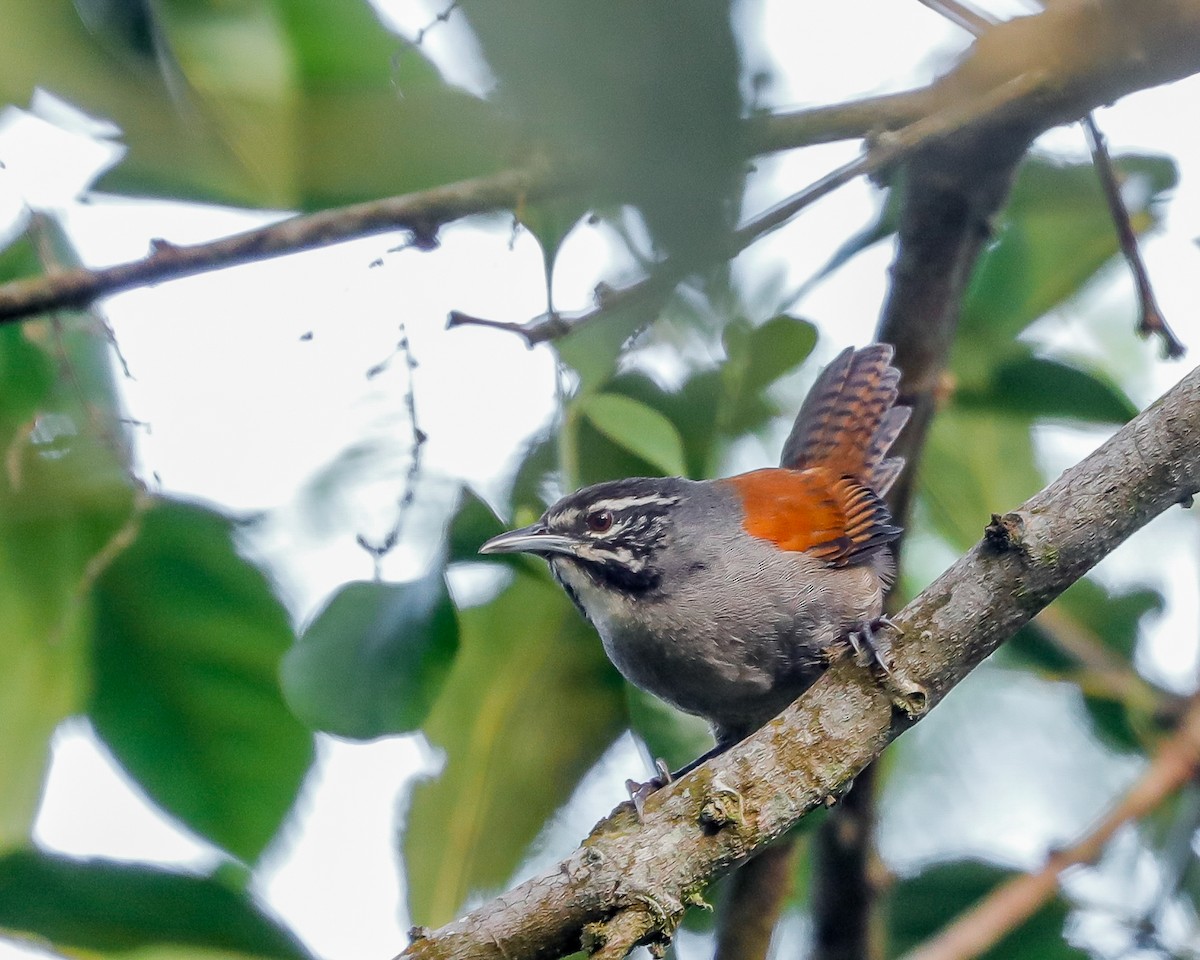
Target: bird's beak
532, 539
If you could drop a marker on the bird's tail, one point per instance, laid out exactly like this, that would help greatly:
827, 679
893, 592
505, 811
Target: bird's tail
850, 420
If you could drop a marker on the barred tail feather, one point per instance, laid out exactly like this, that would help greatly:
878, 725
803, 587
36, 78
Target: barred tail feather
849, 420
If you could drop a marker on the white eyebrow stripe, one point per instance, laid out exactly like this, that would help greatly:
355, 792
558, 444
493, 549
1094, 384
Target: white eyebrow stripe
624, 503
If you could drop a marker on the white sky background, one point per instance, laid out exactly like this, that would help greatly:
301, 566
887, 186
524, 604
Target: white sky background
245, 413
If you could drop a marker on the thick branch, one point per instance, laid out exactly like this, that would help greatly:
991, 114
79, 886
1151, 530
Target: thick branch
952, 189
1012, 903
733, 805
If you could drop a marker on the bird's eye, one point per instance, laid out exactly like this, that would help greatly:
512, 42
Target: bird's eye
599, 521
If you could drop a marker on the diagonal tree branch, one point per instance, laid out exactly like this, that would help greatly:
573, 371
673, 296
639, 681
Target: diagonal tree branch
1008, 906
630, 881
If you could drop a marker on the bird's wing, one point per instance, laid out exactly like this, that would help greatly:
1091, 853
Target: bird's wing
833, 518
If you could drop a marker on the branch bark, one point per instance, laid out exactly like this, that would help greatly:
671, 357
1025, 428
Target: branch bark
631, 881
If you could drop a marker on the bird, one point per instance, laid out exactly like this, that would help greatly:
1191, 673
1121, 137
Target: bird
728, 598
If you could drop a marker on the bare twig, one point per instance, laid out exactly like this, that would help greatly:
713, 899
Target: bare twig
961, 14
378, 550
1151, 321
443, 17
889, 148
421, 213
1014, 902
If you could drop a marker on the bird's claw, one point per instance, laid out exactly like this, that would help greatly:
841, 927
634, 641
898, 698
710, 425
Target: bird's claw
638, 792
873, 651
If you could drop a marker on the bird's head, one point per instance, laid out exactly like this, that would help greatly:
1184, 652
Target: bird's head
606, 537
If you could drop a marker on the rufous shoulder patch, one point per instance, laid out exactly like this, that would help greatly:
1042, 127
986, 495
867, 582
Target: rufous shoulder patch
831, 517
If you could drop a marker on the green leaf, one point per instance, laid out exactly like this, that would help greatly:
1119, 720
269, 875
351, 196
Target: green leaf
473, 524
374, 659
637, 427
1030, 386
530, 705
647, 97
254, 102
107, 907
757, 357
975, 465
63, 493
43, 656
592, 350
550, 221
188, 641
1114, 723
921, 906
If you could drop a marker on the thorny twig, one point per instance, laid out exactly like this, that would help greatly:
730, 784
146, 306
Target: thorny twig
381, 549
442, 17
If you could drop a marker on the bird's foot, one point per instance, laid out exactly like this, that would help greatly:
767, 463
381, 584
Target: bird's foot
638, 792
873, 650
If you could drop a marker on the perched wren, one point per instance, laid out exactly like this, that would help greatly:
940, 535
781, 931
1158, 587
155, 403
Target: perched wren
727, 597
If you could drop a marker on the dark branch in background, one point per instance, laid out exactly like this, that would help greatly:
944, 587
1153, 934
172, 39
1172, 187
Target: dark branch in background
843, 879
1176, 764
991, 107
1151, 321
952, 189
631, 880
758, 891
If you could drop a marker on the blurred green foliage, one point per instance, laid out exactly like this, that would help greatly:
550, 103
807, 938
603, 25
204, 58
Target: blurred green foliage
139, 613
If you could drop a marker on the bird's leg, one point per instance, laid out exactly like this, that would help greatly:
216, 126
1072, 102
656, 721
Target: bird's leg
873, 651
869, 646
638, 792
